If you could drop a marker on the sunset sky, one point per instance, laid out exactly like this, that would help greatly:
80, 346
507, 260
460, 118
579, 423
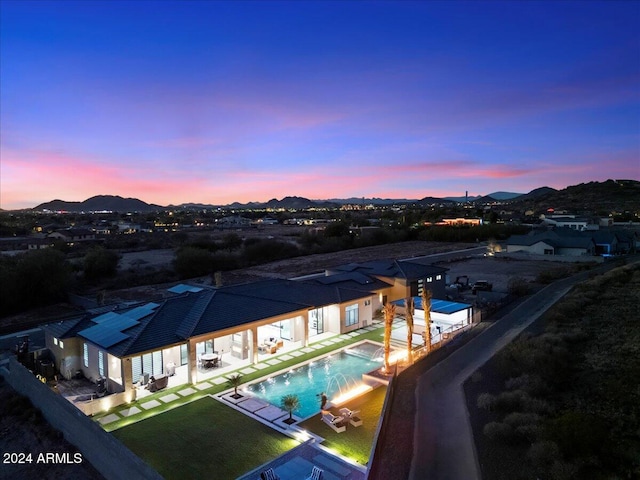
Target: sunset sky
215, 102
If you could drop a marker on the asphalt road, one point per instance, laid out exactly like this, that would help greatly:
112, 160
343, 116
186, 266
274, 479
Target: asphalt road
443, 438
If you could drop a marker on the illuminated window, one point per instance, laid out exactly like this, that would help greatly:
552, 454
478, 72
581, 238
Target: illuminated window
61, 344
85, 354
429, 279
101, 363
351, 315
55, 341
438, 277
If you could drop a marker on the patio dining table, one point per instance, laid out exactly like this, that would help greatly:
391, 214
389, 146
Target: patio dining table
210, 359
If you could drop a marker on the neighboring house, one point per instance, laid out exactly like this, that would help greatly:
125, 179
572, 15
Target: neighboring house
235, 220
406, 277
462, 221
574, 223
125, 345
561, 241
40, 243
73, 235
614, 242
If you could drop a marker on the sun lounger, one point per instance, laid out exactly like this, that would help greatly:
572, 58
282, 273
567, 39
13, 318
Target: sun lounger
269, 474
352, 416
339, 424
316, 474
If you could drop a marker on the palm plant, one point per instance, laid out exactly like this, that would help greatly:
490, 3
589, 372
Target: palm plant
409, 308
389, 311
290, 403
426, 306
234, 381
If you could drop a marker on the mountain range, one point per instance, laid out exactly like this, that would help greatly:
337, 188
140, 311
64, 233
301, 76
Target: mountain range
614, 193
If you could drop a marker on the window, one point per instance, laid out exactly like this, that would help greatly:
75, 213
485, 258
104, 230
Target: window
55, 341
61, 344
85, 354
149, 363
184, 354
101, 363
429, 279
351, 315
438, 277
367, 303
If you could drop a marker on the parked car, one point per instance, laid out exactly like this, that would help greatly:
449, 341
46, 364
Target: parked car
481, 285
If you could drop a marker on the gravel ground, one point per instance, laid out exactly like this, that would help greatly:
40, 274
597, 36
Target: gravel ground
26, 439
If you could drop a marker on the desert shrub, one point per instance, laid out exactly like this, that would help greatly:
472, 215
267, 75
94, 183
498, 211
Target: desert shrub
517, 419
563, 470
486, 401
530, 383
498, 431
531, 432
579, 434
224, 261
552, 274
543, 453
192, 262
537, 405
518, 286
511, 400
268, 250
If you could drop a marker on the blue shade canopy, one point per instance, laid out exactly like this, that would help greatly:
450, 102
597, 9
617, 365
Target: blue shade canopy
182, 288
438, 306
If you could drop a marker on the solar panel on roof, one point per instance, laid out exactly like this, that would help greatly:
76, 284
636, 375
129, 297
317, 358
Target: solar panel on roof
105, 317
138, 313
104, 338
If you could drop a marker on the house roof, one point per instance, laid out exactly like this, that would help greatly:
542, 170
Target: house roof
199, 311
351, 280
559, 238
407, 269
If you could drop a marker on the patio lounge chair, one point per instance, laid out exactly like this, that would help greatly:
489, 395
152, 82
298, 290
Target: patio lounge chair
339, 424
269, 474
352, 416
316, 474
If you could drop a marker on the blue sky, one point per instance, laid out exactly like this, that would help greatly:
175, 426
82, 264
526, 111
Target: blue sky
216, 102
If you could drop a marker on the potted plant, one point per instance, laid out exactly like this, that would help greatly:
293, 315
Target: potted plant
290, 403
235, 381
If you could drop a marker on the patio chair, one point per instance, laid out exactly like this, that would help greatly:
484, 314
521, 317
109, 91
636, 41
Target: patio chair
316, 474
352, 416
269, 474
336, 423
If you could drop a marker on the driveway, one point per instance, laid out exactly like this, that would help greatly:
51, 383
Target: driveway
443, 439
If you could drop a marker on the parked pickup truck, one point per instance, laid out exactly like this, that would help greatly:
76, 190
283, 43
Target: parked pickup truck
481, 285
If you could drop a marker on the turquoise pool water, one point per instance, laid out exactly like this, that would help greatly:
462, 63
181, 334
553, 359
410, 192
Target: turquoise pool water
339, 371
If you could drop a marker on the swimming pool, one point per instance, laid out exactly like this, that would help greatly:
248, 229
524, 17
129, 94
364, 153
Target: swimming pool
331, 374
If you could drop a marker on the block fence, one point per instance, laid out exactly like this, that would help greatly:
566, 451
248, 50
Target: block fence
105, 452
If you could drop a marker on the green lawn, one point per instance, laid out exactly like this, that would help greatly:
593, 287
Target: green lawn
356, 442
207, 439
203, 439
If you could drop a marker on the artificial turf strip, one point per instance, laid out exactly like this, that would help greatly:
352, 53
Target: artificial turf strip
355, 442
203, 439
